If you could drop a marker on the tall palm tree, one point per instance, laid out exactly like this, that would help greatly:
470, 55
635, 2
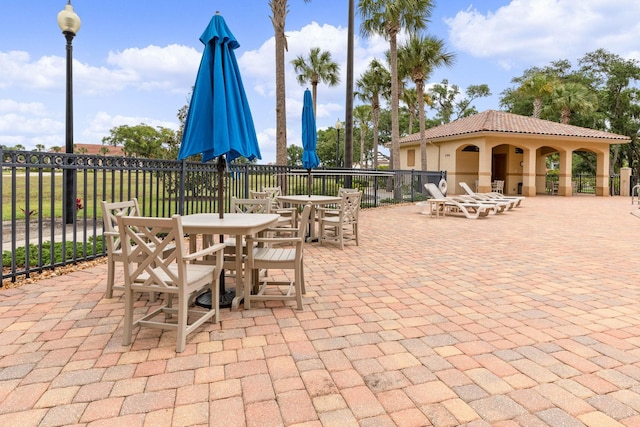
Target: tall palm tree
419, 57
573, 97
388, 18
318, 67
374, 83
279, 11
537, 86
362, 115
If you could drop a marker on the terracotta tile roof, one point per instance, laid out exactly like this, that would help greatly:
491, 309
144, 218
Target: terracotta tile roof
500, 121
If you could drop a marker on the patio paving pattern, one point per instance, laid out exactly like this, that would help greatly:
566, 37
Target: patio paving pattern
526, 318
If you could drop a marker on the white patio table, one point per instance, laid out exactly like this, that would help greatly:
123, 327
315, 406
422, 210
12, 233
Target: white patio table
314, 200
238, 225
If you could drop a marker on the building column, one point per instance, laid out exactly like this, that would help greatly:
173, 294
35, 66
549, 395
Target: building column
602, 174
565, 173
625, 181
484, 169
529, 173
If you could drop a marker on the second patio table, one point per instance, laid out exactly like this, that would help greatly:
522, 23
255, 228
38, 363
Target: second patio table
235, 224
314, 200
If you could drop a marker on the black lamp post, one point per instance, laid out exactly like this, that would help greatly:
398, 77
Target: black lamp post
338, 127
69, 23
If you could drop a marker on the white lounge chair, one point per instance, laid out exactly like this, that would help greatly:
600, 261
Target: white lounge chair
453, 205
515, 200
504, 203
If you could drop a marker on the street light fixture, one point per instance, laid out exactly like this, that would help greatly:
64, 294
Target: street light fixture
338, 127
69, 23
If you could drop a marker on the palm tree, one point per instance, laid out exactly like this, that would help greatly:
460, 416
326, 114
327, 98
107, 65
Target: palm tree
374, 83
537, 86
362, 115
388, 18
419, 56
314, 69
410, 98
573, 97
279, 11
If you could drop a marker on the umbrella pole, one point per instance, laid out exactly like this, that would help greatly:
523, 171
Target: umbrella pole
309, 182
226, 298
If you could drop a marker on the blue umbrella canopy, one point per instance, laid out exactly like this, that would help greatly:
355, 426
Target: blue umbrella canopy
219, 121
309, 136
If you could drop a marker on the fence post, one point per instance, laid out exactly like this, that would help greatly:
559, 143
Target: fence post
181, 189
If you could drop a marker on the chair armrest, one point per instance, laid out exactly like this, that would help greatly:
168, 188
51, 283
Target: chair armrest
281, 230
275, 239
219, 247
284, 210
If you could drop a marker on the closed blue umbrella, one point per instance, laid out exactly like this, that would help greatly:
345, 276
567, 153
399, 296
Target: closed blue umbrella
219, 122
309, 138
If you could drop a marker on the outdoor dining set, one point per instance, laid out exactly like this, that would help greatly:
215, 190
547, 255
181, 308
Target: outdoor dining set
179, 260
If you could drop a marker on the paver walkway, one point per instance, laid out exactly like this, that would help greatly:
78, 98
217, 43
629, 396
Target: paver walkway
531, 317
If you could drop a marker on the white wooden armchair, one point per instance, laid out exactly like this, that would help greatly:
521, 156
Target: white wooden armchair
110, 210
271, 252
147, 270
243, 206
336, 228
288, 215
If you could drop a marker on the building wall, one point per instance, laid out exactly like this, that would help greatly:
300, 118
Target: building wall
524, 155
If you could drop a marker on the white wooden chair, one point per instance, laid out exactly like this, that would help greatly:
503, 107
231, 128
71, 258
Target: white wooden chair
110, 210
333, 210
274, 252
144, 240
288, 215
243, 206
112, 236
343, 226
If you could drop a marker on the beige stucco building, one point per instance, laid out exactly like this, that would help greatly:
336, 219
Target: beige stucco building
495, 145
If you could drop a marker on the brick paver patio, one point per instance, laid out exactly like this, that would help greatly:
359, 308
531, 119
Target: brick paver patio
531, 317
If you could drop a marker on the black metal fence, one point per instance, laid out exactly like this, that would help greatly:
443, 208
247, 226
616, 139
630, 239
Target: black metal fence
39, 233
586, 184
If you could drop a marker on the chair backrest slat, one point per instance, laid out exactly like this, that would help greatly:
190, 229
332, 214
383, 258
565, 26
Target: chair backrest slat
249, 206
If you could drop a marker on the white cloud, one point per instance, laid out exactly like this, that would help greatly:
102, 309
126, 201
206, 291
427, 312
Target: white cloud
33, 108
538, 31
258, 73
19, 71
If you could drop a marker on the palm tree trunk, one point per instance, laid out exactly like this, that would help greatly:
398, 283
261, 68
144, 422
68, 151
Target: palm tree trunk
537, 107
395, 123
376, 118
423, 143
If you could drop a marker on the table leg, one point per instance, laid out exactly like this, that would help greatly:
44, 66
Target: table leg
312, 224
239, 274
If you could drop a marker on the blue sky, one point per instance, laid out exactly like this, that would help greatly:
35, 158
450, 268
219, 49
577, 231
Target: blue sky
135, 61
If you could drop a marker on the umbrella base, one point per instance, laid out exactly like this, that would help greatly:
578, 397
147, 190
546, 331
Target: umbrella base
226, 299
